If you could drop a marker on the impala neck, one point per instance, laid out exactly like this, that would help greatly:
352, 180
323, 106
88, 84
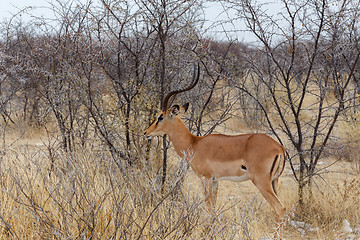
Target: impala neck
180, 137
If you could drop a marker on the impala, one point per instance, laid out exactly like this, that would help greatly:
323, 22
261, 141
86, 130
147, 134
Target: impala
256, 157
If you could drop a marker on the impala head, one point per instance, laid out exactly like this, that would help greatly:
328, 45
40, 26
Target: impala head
165, 120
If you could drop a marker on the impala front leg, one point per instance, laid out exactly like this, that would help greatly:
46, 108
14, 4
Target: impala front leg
210, 192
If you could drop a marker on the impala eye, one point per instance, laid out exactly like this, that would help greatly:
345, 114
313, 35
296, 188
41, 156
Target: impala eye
160, 118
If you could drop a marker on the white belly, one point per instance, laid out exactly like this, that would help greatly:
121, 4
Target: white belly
242, 178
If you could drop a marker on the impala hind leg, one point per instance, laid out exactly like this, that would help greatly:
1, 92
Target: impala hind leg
275, 184
267, 190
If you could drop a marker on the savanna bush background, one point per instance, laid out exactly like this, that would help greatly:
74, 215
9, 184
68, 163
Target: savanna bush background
77, 92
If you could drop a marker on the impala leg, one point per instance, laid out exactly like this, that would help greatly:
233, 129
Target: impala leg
275, 184
266, 189
210, 192
215, 185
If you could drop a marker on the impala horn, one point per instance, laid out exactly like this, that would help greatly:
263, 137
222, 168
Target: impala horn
194, 81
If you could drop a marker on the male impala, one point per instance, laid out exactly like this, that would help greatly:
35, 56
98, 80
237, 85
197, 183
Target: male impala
255, 157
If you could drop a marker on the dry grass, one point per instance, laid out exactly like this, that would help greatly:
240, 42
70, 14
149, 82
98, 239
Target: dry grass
86, 196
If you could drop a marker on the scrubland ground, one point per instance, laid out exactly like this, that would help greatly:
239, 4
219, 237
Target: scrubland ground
85, 195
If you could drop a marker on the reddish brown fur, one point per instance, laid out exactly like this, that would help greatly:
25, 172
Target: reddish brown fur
218, 156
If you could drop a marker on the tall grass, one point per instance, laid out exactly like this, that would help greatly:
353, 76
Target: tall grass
84, 195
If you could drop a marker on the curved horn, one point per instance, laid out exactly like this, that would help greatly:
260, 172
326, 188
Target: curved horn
194, 81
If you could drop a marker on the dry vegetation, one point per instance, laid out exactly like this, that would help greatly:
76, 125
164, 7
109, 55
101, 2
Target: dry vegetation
76, 94
86, 196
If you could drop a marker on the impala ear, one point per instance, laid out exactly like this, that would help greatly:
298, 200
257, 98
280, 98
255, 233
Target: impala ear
184, 108
174, 110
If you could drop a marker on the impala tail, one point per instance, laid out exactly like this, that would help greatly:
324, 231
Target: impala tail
277, 168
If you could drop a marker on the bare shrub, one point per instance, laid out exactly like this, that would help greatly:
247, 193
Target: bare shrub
300, 76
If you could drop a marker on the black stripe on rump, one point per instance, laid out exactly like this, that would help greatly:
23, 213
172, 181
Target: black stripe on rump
273, 166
